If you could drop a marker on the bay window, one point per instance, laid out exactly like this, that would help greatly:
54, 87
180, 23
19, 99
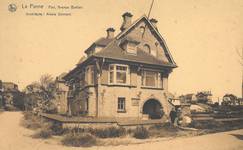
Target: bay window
118, 74
89, 75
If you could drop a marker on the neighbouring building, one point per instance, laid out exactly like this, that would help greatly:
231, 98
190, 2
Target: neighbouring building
11, 96
204, 97
188, 98
124, 75
60, 97
1, 94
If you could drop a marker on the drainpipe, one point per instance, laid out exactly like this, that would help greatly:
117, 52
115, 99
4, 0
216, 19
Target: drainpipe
98, 84
97, 88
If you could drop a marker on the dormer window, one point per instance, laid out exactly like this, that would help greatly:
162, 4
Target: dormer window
130, 45
131, 48
98, 48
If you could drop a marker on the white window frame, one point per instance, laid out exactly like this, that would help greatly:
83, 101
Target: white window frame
123, 104
115, 74
131, 49
158, 79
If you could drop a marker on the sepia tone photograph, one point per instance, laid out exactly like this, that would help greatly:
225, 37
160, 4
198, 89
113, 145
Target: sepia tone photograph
121, 74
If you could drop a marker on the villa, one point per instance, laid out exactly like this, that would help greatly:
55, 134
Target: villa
124, 75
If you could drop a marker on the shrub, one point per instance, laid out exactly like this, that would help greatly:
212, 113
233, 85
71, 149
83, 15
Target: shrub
10, 108
50, 108
43, 133
31, 121
79, 139
141, 133
206, 124
57, 129
164, 130
165, 126
108, 132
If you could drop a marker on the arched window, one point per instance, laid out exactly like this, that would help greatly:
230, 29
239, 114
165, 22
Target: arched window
147, 48
142, 29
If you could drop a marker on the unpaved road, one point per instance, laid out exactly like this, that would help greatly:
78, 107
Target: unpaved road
15, 137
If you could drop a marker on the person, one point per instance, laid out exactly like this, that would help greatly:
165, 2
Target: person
173, 115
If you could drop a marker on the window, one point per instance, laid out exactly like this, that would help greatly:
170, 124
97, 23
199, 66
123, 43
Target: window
121, 107
151, 79
112, 73
118, 74
121, 74
82, 79
142, 29
86, 104
160, 81
89, 75
98, 48
147, 48
132, 48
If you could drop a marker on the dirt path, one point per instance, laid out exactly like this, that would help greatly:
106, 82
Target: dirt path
15, 137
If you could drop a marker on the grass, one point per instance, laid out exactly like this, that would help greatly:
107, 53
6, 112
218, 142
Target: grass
79, 139
43, 133
84, 137
164, 130
111, 132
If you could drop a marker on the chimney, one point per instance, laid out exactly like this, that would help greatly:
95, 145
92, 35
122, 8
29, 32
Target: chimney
154, 22
110, 33
127, 20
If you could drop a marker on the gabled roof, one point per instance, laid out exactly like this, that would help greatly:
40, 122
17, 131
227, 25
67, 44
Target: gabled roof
103, 41
61, 76
100, 42
114, 51
155, 31
81, 60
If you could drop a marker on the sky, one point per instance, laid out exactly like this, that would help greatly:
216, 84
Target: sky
202, 35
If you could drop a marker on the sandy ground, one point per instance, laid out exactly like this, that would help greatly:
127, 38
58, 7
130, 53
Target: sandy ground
15, 137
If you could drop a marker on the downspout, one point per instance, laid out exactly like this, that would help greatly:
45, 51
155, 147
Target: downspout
98, 83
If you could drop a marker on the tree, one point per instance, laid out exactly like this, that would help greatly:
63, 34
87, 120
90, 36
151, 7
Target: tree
240, 55
40, 94
230, 99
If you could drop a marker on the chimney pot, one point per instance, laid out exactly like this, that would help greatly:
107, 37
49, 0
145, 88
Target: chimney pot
110, 33
154, 22
127, 20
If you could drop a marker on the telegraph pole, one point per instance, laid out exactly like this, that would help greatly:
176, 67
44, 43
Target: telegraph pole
151, 6
241, 73
150, 9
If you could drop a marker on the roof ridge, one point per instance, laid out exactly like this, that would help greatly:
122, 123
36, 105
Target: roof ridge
156, 31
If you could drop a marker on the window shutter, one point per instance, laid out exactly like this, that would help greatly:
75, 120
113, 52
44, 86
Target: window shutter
133, 79
104, 75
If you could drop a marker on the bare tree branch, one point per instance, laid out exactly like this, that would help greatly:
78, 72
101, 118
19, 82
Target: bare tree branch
240, 55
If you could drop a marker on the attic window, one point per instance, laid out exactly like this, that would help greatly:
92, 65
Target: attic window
147, 48
98, 48
142, 29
